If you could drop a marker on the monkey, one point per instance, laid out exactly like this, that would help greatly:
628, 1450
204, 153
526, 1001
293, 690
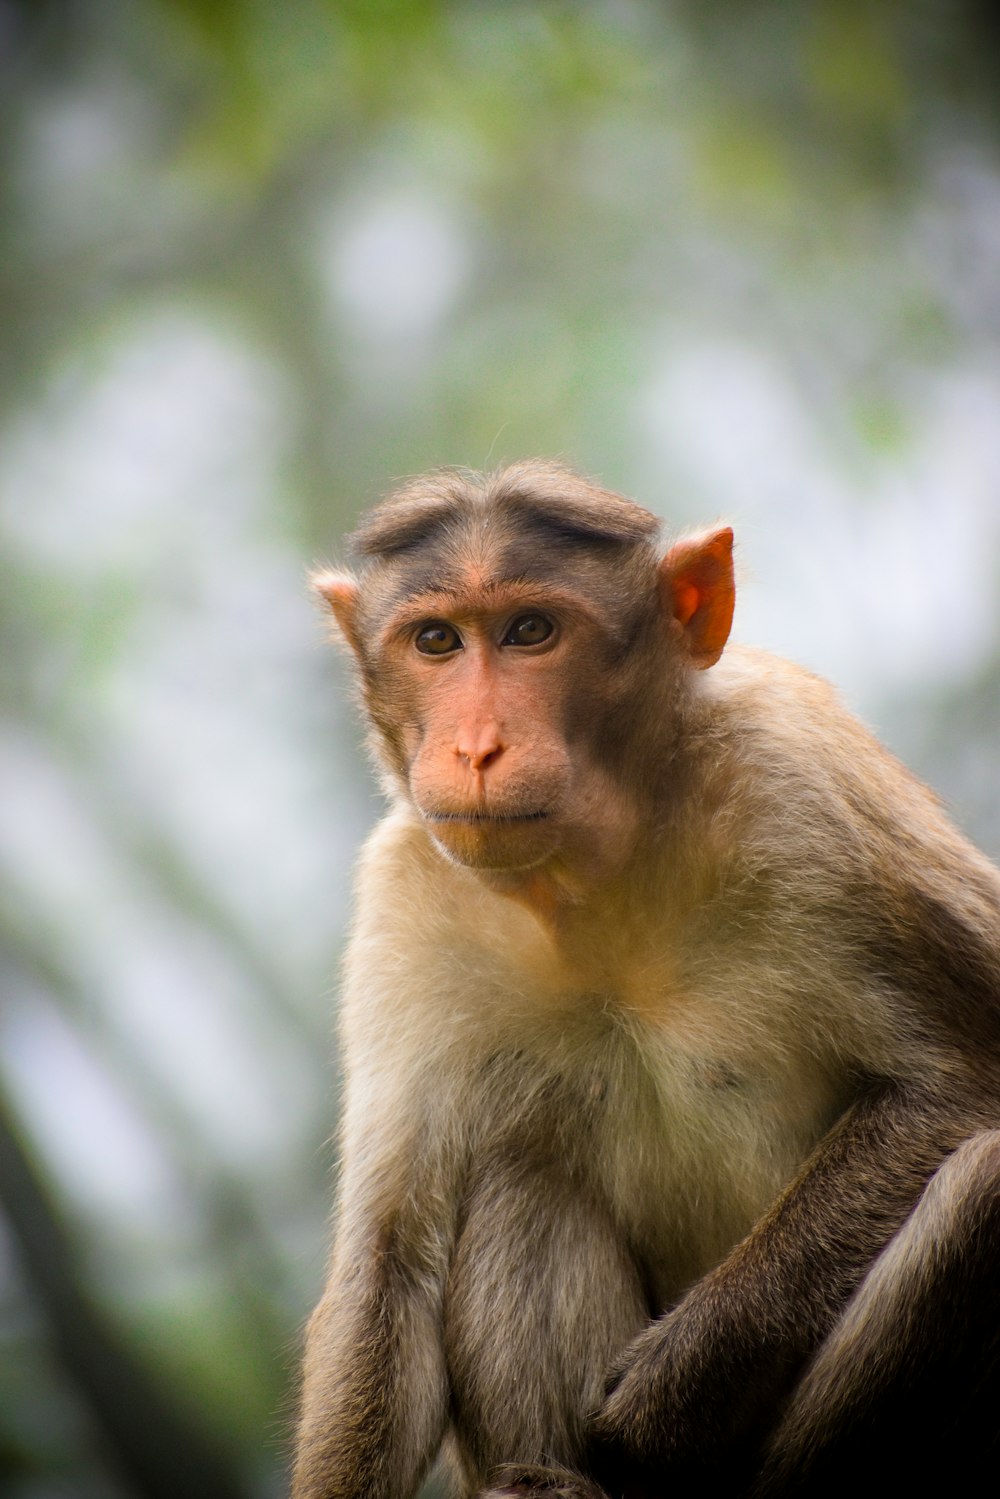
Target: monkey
671, 1027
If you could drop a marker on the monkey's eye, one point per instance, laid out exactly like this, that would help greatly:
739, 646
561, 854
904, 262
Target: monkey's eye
438, 639
530, 629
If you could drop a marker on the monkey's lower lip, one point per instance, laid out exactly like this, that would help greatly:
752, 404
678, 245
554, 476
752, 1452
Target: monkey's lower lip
494, 819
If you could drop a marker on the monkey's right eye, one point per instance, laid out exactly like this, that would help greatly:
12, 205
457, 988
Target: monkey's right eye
438, 639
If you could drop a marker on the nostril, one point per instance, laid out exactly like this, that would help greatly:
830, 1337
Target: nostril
482, 756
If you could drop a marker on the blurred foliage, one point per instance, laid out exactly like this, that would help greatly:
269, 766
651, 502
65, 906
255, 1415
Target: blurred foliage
256, 259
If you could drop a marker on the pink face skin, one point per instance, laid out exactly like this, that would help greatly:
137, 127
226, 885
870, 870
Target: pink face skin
485, 675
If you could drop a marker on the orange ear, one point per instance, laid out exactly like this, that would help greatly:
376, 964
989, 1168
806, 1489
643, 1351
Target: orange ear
699, 592
341, 592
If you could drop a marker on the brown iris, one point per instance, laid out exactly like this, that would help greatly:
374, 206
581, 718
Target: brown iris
438, 639
529, 629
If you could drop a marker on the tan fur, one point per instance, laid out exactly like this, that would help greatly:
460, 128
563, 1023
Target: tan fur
696, 1058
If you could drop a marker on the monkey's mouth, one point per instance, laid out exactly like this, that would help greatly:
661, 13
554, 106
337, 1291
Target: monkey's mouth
493, 837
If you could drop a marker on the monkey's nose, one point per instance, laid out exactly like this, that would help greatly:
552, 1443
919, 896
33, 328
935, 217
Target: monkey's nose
480, 749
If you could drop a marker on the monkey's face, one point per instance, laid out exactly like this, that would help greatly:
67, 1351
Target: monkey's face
490, 700
522, 647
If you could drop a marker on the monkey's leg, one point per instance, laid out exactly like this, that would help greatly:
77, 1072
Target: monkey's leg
543, 1294
910, 1373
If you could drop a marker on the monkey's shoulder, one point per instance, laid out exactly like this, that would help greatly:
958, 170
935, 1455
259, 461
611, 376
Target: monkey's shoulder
807, 752
795, 719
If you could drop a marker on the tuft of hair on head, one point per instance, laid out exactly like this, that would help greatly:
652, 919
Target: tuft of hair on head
551, 497
415, 511
557, 499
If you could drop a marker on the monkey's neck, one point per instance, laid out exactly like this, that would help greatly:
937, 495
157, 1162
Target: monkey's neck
576, 903
550, 895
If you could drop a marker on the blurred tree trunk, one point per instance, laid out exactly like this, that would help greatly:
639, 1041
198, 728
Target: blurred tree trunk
152, 1444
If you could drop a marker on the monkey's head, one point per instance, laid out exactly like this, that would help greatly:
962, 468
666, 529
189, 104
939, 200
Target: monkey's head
522, 644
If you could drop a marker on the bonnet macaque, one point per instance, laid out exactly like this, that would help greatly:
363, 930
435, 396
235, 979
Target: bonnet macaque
671, 1027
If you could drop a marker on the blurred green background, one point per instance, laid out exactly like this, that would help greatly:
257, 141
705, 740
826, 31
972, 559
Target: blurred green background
258, 259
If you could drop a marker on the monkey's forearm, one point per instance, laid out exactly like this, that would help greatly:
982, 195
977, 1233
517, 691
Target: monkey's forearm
374, 1395
721, 1358
794, 1271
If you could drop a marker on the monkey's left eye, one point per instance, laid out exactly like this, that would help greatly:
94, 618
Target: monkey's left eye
438, 639
530, 629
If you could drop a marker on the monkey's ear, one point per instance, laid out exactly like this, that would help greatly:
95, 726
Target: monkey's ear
698, 591
340, 591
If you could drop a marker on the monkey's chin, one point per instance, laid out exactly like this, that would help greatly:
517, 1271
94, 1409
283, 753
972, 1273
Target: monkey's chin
494, 843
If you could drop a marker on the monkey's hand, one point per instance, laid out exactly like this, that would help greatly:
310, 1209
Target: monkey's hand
671, 1407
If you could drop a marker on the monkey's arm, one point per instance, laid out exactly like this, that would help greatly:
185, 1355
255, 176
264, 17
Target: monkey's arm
704, 1378
374, 1393
374, 1397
